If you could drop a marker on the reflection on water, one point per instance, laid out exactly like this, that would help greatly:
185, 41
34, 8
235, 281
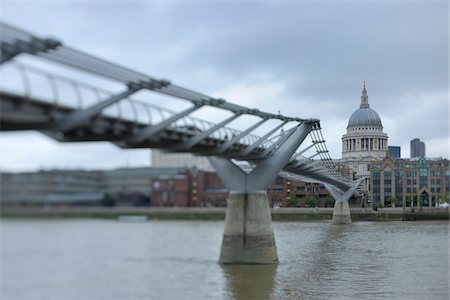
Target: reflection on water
104, 259
249, 281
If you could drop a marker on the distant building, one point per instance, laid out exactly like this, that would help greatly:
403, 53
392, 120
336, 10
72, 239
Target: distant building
419, 181
190, 187
53, 187
161, 159
172, 187
394, 151
282, 188
74, 187
203, 188
132, 186
417, 148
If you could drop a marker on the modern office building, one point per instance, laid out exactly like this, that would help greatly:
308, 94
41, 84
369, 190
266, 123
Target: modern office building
417, 148
365, 142
394, 151
420, 181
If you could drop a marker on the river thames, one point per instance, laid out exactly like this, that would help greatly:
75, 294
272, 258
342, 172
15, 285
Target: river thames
110, 259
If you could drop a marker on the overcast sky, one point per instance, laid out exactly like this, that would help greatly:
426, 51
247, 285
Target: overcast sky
306, 59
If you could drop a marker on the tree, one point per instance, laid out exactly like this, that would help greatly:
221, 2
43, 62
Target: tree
292, 199
310, 201
408, 201
108, 200
392, 200
329, 201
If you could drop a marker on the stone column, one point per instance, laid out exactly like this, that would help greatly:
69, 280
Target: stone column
248, 236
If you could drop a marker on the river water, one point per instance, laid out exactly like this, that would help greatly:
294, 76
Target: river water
108, 259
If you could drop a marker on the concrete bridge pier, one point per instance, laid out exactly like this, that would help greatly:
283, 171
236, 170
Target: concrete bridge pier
341, 213
248, 236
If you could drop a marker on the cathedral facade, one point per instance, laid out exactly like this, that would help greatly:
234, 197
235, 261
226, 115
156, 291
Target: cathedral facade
365, 142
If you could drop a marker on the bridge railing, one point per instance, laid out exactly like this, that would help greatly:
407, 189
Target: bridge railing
63, 91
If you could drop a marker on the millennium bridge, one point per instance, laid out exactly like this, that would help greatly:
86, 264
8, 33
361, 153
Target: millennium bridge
73, 96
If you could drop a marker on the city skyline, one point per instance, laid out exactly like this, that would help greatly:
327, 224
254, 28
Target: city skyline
324, 64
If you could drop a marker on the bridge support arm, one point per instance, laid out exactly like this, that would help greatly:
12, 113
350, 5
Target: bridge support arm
268, 169
265, 172
341, 212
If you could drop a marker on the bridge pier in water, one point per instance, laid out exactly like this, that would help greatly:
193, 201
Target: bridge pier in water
341, 213
248, 236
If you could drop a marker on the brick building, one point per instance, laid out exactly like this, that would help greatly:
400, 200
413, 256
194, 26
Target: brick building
282, 187
191, 187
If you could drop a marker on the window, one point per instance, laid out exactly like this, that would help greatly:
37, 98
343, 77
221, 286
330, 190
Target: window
399, 184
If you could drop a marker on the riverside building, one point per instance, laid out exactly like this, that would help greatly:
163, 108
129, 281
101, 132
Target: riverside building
410, 182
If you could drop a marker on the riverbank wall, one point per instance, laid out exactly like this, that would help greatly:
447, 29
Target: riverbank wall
213, 213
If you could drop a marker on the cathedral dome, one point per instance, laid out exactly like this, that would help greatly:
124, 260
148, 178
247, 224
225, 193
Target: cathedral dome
364, 116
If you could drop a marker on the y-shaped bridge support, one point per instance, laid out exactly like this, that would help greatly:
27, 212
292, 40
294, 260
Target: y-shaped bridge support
248, 235
341, 212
